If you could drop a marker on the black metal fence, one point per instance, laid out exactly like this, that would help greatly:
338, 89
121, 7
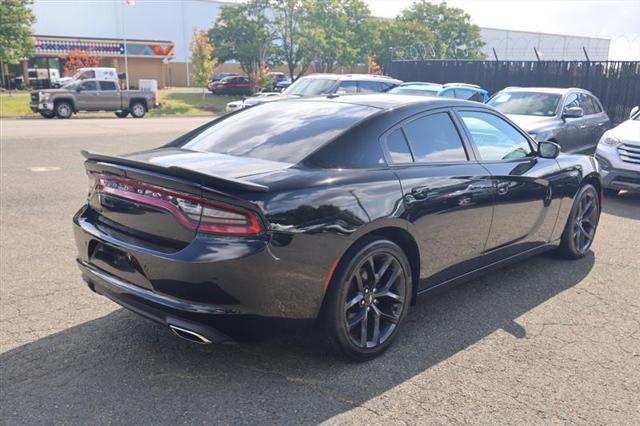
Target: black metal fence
615, 83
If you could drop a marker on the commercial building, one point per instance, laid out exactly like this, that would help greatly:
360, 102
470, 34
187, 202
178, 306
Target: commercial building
156, 35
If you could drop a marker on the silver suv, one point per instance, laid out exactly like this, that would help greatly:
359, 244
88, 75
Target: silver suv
573, 118
619, 156
324, 84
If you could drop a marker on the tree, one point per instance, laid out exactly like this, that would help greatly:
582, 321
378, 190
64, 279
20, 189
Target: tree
242, 33
76, 59
339, 33
289, 25
202, 61
403, 40
15, 32
454, 36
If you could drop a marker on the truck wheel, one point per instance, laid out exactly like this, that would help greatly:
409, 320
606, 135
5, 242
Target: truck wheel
138, 110
122, 114
63, 109
50, 114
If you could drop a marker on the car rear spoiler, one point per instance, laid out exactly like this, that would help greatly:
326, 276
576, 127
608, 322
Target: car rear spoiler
215, 182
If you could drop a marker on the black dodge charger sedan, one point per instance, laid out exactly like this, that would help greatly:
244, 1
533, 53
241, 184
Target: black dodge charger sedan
342, 209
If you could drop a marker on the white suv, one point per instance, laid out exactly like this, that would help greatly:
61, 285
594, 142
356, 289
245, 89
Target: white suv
618, 153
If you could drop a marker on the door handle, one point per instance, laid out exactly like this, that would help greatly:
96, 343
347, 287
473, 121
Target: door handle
503, 188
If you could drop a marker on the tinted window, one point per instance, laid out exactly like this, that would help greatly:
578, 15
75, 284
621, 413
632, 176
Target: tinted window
572, 101
415, 89
495, 138
464, 93
284, 131
398, 148
450, 93
108, 85
89, 86
348, 87
434, 138
587, 103
477, 97
596, 104
369, 86
526, 103
310, 87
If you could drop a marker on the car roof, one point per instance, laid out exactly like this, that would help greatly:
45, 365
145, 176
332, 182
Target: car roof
361, 77
551, 90
385, 101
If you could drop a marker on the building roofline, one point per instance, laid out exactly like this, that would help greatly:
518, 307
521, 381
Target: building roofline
544, 33
113, 39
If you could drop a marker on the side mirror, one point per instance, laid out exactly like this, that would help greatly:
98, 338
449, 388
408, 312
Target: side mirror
634, 111
573, 112
548, 149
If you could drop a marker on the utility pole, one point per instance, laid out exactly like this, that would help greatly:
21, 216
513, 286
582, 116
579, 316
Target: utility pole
124, 38
186, 45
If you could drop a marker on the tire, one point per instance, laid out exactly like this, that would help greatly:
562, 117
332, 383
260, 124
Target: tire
63, 109
611, 192
580, 229
137, 109
364, 311
122, 114
47, 114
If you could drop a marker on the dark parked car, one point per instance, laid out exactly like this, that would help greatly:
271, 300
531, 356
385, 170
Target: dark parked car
232, 85
573, 118
343, 208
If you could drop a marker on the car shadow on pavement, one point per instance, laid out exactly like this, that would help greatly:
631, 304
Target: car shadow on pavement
625, 204
124, 369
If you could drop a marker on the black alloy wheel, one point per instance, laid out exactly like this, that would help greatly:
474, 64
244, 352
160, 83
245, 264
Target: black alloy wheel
368, 303
582, 224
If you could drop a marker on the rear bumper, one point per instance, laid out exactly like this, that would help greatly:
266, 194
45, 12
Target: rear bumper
211, 281
163, 310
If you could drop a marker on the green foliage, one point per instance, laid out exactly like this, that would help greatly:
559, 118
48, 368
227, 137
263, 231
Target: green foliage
454, 36
339, 33
403, 40
15, 30
202, 61
243, 33
290, 26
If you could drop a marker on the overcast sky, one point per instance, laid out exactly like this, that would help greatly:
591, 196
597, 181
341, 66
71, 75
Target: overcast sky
574, 17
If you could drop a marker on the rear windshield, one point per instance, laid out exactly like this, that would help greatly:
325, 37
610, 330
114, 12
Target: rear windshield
285, 131
310, 87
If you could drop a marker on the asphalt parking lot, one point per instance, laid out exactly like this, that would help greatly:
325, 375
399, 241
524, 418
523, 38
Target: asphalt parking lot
545, 341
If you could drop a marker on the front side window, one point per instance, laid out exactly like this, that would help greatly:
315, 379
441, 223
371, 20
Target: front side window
434, 138
587, 104
572, 101
370, 87
348, 87
495, 138
88, 86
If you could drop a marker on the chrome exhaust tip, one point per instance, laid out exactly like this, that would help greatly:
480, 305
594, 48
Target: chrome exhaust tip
189, 335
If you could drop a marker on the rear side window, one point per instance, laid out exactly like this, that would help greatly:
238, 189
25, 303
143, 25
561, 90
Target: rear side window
398, 147
464, 94
434, 138
286, 131
348, 87
108, 85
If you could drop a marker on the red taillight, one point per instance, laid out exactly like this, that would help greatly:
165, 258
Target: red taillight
191, 211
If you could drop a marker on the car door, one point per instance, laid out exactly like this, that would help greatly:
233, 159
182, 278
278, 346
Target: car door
109, 96
448, 197
526, 202
598, 121
576, 135
87, 96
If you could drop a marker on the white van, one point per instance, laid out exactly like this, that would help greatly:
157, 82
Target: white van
101, 73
